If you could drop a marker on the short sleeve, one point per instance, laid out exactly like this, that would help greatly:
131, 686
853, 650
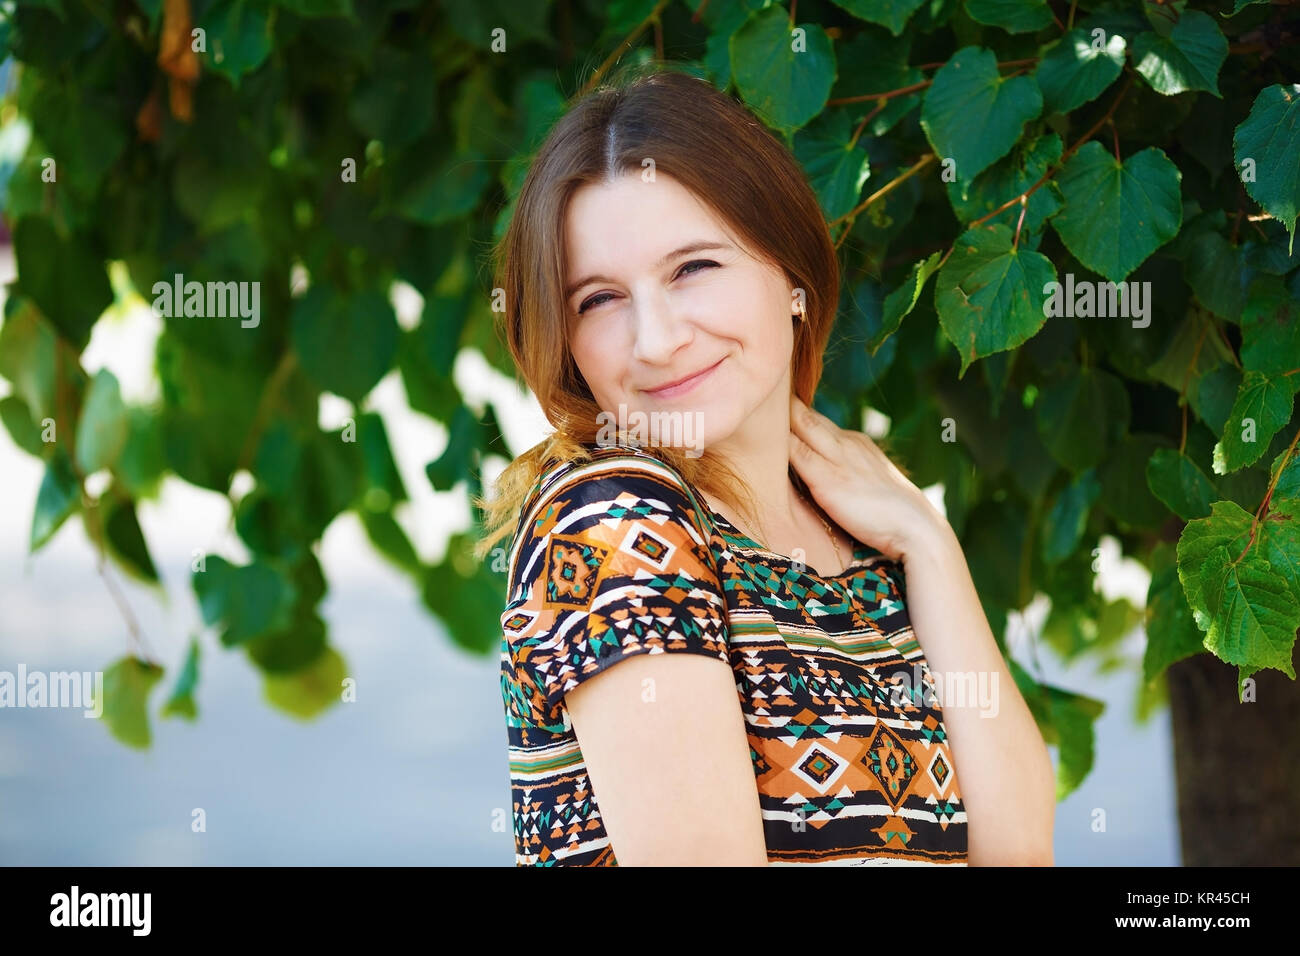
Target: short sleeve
609, 562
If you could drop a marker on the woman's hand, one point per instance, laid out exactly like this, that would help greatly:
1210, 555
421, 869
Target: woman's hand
858, 486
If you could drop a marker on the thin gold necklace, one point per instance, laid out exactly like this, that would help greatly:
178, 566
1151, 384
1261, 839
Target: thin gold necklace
829, 534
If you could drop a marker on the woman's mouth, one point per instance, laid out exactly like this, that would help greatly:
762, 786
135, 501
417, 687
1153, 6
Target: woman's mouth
684, 385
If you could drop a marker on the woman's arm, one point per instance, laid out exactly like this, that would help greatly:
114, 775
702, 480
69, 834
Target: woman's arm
1003, 768
1004, 771
664, 741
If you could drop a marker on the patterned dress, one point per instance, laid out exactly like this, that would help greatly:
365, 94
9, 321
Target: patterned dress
620, 556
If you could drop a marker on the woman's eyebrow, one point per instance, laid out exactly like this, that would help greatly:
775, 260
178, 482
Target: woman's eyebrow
699, 245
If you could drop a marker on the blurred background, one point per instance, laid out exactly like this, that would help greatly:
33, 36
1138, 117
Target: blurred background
235, 523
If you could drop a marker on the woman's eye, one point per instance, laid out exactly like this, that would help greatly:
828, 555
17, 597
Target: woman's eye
696, 262
596, 300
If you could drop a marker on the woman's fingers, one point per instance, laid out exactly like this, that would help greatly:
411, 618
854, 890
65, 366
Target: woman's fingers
808, 462
815, 429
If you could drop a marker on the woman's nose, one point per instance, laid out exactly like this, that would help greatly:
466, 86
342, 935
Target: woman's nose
660, 330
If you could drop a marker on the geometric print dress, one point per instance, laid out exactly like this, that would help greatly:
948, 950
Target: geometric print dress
620, 556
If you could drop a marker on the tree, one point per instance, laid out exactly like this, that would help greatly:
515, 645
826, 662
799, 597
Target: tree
1067, 233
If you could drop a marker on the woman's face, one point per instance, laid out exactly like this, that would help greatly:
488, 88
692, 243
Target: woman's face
667, 313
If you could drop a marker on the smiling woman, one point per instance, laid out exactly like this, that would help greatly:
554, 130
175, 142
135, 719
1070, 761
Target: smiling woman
763, 711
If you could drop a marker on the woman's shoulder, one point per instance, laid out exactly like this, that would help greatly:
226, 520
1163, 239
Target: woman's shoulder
605, 470
621, 505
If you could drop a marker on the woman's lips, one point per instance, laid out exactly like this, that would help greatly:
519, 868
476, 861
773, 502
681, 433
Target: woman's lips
685, 385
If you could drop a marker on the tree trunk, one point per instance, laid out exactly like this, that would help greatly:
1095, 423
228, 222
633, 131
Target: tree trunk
1237, 765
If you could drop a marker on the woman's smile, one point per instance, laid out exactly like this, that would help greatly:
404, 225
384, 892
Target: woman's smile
682, 386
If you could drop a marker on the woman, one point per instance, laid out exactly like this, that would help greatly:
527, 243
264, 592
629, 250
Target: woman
746, 561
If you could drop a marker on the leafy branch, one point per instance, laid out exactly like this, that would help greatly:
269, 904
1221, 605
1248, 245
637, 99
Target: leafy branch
1056, 167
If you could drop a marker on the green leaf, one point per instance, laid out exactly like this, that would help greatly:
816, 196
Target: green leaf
1213, 269
319, 8
835, 164
1065, 524
1117, 213
1008, 178
127, 685
1212, 395
65, 115
447, 191
246, 601
1263, 405
390, 540
1188, 59
1074, 717
43, 371
1014, 16
126, 540
427, 389
1279, 541
140, 465
102, 428
1227, 526
1250, 614
55, 6
291, 649
1274, 253
65, 278
345, 344
239, 37
1093, 625
17, 418
394, 102
850, 366
989, 296
1162, 16
1270, 329
902, 300
1081, 417
522, 22
466, 596
1066, 720
1124, 492
994, 544
181, 702
892, 14
456, 463
1076, 70
1266, 147
1288, 480
219, 182
383, 484
1172, 634
875, 62
785, 77
312, 475
973, 115
310, 691
58, 497
1175, 480
1194, 350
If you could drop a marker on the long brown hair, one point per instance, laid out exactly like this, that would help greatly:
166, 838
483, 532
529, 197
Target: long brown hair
731, 162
